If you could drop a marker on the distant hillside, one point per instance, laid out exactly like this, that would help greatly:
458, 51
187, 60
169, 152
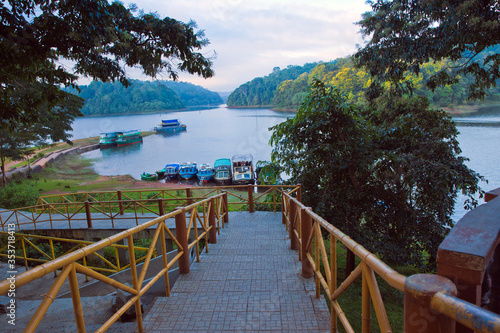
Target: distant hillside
142, 97
193, 95
260, 91
277, 91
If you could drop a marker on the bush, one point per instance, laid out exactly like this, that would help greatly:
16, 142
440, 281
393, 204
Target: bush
16, 195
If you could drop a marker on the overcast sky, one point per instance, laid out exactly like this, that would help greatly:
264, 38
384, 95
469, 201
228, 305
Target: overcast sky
252, 37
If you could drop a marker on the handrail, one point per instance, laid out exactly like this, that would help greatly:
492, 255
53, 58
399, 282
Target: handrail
306, 230
215, 208
93, 207
26, 241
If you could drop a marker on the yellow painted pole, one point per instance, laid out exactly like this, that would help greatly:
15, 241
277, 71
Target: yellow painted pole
135, 282
333, 277
365, 304
24, 253
77, 302
164, 258
47, 300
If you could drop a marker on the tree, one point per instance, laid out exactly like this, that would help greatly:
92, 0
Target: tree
101, 39
386, 174
404, 34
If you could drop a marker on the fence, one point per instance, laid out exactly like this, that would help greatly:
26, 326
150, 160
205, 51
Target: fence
66, 210
208, 214
430, 304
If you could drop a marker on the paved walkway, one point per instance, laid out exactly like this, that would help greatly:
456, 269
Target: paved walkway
249, 281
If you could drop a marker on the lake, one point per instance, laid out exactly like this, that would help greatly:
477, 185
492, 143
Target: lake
221, 132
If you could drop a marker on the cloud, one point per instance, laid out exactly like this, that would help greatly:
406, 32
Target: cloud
252, 37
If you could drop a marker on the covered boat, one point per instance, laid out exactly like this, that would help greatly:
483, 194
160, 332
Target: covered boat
188, 170
172, 170
149, 176
205, 173
243, 169
107, 140
160, 173
128, 138
223, 173
170, 126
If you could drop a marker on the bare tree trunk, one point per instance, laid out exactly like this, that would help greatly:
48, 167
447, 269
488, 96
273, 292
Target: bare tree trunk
4, 178
349, 262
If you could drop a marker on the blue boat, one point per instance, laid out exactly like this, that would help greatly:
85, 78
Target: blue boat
188, 170
205, 173
223, 173
172, 170
170, 126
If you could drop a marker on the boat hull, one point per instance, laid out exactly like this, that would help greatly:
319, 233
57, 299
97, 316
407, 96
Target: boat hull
129, 142
223, 182
170, 129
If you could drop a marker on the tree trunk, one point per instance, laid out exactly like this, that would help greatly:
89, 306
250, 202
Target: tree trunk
349, 262
4, 178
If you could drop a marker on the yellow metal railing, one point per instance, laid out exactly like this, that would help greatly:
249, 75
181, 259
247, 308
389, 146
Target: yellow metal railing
206, 214
25, 242
307, 235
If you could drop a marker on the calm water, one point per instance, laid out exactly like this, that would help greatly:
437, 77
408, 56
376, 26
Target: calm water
211, 134
222, 132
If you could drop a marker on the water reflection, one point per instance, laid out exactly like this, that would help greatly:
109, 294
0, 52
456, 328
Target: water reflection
130, 149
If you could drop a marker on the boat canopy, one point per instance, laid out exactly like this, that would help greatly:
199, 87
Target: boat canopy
241, 160
170, 122
222, 162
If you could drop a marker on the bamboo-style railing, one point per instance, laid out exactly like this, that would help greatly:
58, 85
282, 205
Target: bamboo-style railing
430, 302
44, 249
208, 214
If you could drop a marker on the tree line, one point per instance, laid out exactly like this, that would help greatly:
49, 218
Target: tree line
142, 97
353, 81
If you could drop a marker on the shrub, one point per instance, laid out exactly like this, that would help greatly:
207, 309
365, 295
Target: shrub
16, 195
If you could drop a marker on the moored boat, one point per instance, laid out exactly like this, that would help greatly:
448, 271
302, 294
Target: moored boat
149, 176
170, 126
160, 173
128, 138
188, 170
172, 170
205, 173
223, 172
243, 169
107, 140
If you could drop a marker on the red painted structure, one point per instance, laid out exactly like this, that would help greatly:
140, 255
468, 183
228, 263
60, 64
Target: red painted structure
470, 256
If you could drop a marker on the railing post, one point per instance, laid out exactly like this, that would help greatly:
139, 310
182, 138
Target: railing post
161, 211
283, 212
418, 314
226, 207
188, 196
120, 203
291, 228
299, 193
250, 198
182, 238
89, 216
212, 234
306, 225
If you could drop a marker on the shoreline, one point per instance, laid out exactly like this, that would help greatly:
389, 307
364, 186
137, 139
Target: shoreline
186, 109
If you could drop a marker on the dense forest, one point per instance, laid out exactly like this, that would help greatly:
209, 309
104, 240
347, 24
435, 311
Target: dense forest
143, 97
260, 91
275, 91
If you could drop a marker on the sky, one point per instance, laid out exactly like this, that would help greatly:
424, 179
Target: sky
250, 38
